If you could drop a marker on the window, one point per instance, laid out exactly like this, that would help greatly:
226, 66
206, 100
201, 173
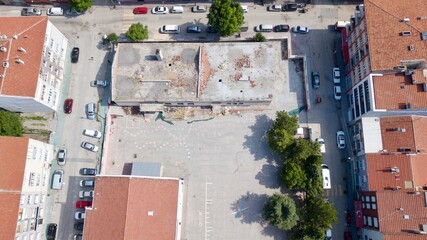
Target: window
29, 199
374, 206
22, 199
36, 199
373, 199
375, 222
364, 220
368, 206
369, 221
42, 198
32, 179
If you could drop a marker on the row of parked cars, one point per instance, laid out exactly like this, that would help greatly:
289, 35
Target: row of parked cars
175, 29
176, 9
54, 11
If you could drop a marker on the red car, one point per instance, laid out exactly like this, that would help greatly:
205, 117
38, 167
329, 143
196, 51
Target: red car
82, 204
140, 10
68, 106
347, 235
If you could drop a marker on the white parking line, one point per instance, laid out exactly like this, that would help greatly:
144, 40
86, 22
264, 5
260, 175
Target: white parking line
207, 203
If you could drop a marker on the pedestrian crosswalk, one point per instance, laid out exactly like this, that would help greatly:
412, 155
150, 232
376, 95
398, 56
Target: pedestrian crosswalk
335, 191
127, 20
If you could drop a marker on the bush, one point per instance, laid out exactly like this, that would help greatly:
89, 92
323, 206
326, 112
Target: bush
259, 37
10, 124
137, 32
113, 39
280, 211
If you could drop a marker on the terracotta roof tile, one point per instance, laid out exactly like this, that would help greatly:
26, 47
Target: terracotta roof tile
387, 47
419, 170
394, 91
13, 158
21, 79
122, 206
393, 205
405, 236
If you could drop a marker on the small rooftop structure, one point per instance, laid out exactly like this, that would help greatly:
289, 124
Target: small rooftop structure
188, 74
146, 169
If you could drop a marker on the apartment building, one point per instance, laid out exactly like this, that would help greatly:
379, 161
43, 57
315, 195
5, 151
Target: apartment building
385, 48
25, 166
32, 56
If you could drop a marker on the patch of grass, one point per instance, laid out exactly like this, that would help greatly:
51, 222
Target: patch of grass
38, 124
35, 118
38, 134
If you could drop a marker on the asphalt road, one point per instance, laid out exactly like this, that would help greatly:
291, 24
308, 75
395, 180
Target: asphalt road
85, 31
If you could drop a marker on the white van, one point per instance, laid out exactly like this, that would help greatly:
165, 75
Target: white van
55, 11
177, 9
171, 29
326, 175
264, 28
57, 179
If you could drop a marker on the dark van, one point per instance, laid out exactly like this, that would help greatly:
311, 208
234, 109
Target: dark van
290, 7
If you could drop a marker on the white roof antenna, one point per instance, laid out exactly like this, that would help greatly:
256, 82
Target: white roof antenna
22, 49
15, 36
18, 60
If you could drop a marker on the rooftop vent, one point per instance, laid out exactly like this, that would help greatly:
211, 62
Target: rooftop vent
403, 149
411, 48
408, 106
423, 35
405, 20
3, 49
150, 213
1, 75
5, 64
15, 36
422, 18
406, 33
401, 68
406, 217
394, 170
18, 60
159, 54
21, 49
403, 129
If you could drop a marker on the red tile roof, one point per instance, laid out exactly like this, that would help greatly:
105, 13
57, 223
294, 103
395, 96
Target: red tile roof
404, 132
404, 236
394, 91
21, 79
419, 170
387, 48
133, 208
393, 205
12, 158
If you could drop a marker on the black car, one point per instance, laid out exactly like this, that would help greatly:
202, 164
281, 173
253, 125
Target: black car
194, 29
281, 28
290, 7
75, 55
79, 226
88, 171
315, 79
51, 231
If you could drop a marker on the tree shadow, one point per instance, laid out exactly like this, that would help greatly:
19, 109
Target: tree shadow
249, 209
269, 176
257, 142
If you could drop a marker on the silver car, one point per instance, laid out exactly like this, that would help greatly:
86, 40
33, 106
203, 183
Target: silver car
340, 140
62, 153
90, 111
89, 146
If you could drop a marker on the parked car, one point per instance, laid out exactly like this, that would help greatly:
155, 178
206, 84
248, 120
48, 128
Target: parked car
290, 7
199, 9
328, 234
321, 142
89, 146
315, 79
326, 176
340, 140
62, 153
79, 226
99, 83
86, 194
87, 183
90, 110
83, 204
140, 10
78, 236
336, 75
92, 133
57, 179
211, 29
68, 106
177, 9
245, 8
274, 8
51, 231
194, 29
75, 55
337, 93
160, 10
300, 29
281, 28
72, 13
88, 171
31, 12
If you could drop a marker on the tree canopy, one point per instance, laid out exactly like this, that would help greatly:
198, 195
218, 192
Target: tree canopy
280, 211
10, 124
137, 32
113, 39
320, 213
259, 37
80, 5
293, 176
226, 17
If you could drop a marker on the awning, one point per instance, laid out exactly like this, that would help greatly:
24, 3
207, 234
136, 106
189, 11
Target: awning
344, 46
358, 214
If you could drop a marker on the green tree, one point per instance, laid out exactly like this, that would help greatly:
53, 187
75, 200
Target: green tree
293, 176
319, 213
311, 166
80, 5
259, 37
113, 39
280, 136
226, 17
137, 32
285, 121
10, 124
280, 211
302, 149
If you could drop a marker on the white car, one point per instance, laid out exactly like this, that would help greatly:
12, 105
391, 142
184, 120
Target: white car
300, 29
321, 142
340, 140
92, 133
89, 146
199, 9
99, 83
245, 8
336, 75
62, 154
159, 10
79, 216
274, 8
337, 93
88, 194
